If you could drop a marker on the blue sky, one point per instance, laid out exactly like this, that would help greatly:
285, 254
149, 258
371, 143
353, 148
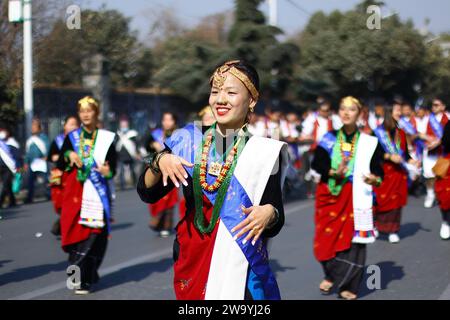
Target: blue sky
290, 18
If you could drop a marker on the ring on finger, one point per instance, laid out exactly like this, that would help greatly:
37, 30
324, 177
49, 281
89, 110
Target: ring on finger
255, 229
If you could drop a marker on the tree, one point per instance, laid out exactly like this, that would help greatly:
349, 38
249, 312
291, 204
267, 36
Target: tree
188, 59
436, 81
341, 56
11, 54
253, 40
105, 32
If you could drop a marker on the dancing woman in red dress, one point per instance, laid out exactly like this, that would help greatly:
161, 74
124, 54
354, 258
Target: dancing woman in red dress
349, 163
392, 194
88, 159
232, 185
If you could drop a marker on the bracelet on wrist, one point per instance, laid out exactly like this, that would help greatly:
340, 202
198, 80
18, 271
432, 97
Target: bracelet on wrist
67, 154
158, 157
378, 181
152, 161
275, 219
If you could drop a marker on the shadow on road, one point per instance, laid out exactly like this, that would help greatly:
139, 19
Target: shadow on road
278, 268
2, 262
121, 226
133, 274
406, 230
389, 272
28, 273
12, 213
410, 229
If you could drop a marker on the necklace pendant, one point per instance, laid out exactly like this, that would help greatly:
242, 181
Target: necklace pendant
215, 168
346, 147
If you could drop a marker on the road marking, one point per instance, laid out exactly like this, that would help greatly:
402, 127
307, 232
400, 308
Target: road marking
298, 207
128, 263
104, 272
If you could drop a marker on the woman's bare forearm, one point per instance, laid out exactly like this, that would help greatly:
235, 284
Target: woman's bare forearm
151, 178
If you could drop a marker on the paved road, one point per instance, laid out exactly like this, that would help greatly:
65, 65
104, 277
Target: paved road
138, 265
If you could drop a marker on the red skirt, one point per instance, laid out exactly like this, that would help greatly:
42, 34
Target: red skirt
71, 231
334, 224
56, 193
393, 192
167, 202
442, 188
194, 256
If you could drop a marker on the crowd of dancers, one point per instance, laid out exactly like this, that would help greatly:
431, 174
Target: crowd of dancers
358, 163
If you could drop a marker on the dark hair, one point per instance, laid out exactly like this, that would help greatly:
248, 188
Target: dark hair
6, 127
71, 116
389, 122
174, 116
440, 99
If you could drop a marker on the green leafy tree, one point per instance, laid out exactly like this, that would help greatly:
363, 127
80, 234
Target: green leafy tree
104, 32
187, 60
436, 81
341, 56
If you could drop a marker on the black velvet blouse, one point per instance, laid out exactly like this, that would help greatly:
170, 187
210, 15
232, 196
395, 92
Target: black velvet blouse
272, 194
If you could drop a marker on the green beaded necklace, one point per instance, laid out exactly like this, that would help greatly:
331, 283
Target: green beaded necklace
87, 159
336, 159
199, 218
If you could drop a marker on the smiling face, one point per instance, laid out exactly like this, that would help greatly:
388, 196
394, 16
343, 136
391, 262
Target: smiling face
230, 103
348, 114
88, 116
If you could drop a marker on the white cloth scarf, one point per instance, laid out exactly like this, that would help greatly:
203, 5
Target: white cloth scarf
362, 192
91, 214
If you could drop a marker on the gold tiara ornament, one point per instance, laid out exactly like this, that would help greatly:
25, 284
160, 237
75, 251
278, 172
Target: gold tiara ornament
351, 101
87, 102
219, 77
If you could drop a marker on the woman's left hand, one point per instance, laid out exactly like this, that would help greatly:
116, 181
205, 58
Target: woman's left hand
103, 169
371, 179
258, 218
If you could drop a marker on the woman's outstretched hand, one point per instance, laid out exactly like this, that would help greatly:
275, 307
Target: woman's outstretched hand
172, 167
258, 218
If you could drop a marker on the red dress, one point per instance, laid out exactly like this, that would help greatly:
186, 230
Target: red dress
393, 192
71, 231
442, 188
333, 221
167, 202
191, 275
56, 193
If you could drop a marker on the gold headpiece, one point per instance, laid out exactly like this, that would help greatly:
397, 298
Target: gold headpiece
87, 102
219, 77
350, 101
